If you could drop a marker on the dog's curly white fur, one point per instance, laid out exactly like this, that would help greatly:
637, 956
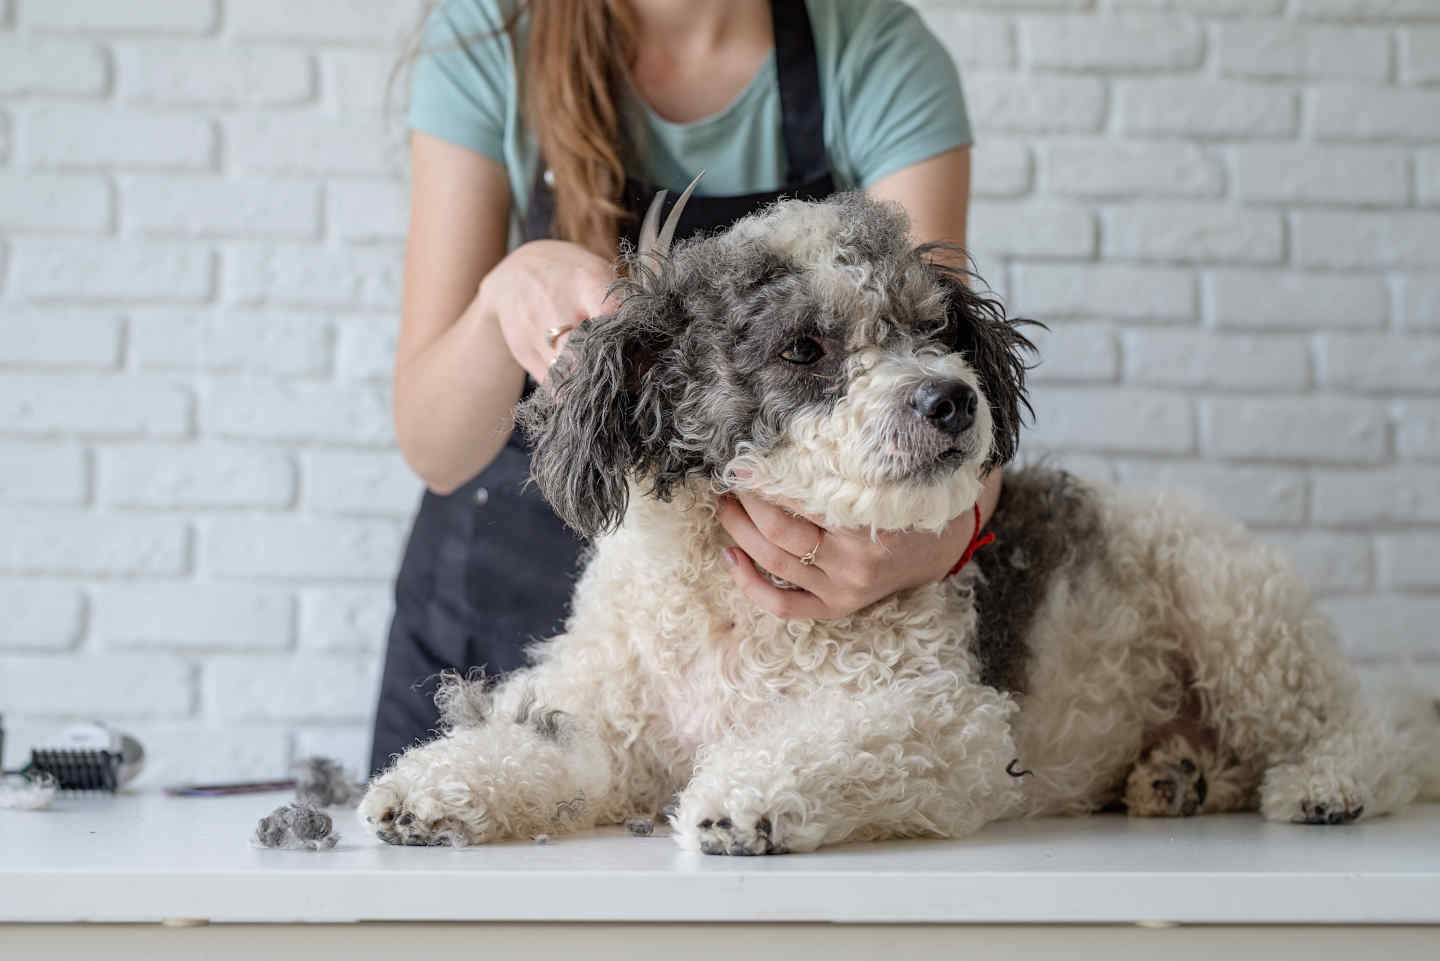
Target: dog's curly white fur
811, 352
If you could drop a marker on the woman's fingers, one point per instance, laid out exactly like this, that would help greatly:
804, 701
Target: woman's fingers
763, 550
797, 536
786, 605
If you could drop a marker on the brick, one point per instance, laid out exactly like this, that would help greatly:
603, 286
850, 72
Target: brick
1421, 298
1311, 174
184, 616
312, 143
349, 744
1321, 429
40, 614
106, 16
1380, 362
1113, 420
1427, 176
1368, 9
1031, 230
212, 75
301, 688
1123, 42
1417, 429
1189, 358
1374, 113
53, 202
972, 39
1135, 294
260, 410
72, 135
365, 347
1358, 240
1329, 563
1281, 299
324, 21
38, 66
1263, 496
1204, 108
205, 476
1387, 628
197, 754
316, 277
42, 474
345, 619
1192, 232
1001, 168
1407, 561
39, 404
110, 686
367, 210
1290, 51
1076, 352
1400, 495
70, 542
231, 339
1104, 169
1034, 104
59, 338
1420, 55
214, 207
291, 547
359, 482
364, 83
102, 270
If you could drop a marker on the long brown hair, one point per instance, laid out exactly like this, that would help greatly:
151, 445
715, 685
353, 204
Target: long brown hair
576, 65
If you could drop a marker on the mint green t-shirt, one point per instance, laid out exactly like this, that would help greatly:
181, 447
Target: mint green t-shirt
891, 95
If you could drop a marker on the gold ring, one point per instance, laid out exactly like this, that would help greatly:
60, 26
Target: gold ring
809, 557
555, 333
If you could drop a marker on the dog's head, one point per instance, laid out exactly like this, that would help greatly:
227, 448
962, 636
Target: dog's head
810, 352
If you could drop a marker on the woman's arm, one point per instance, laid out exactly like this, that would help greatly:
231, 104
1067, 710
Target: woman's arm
474, 318
852, 570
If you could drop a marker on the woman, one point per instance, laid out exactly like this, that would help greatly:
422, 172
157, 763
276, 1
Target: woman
621, 98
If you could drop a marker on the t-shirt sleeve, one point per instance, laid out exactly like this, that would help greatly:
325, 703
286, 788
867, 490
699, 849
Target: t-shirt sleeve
905, 103
463, 77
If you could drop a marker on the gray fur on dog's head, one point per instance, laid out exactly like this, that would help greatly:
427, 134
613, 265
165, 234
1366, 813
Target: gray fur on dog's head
707, 369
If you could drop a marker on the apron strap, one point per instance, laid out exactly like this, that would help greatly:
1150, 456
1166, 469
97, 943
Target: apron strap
802, 111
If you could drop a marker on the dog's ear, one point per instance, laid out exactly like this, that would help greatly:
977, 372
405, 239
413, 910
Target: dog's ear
606, 409
976, 325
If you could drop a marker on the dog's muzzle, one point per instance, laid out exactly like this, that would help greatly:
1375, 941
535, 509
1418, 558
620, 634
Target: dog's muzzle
947, 405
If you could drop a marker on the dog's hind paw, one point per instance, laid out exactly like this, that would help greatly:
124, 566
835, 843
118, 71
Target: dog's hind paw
414, 818
1167, 782
1311, 794
723, 836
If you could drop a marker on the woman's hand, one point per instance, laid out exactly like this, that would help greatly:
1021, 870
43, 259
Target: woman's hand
540, 287
850, 570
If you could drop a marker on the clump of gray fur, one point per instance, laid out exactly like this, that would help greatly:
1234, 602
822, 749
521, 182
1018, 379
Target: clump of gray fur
640, 827
321, 782
296, 826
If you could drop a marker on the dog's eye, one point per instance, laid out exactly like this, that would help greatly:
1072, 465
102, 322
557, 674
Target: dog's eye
803, 350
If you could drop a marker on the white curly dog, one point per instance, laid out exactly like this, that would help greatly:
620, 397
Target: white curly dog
1118, 648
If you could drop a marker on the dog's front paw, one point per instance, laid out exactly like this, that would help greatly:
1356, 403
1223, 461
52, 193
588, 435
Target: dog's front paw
1311, 794
403, 813
742, 823
1168, 782
724, 836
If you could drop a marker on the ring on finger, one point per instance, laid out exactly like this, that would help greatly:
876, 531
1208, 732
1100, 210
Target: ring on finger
555, 333
808, 558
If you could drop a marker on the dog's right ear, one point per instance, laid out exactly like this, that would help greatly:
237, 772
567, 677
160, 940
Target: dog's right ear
606, 409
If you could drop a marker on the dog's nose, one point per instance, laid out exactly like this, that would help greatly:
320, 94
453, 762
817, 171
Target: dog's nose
947, 404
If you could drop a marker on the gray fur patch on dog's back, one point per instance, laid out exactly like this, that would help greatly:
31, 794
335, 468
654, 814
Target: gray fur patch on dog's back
1045, 522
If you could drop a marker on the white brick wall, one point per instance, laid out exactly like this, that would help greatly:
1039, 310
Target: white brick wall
1228, 211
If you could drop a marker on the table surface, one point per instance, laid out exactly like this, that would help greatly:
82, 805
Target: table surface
146, 857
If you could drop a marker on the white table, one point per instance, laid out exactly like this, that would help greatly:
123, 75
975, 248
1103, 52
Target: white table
146, 858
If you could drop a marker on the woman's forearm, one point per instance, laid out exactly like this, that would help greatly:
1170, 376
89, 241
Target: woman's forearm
455, 399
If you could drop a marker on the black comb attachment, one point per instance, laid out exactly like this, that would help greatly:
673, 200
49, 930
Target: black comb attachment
75, 769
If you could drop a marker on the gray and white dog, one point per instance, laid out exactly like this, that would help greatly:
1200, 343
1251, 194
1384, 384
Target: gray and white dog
1123, 648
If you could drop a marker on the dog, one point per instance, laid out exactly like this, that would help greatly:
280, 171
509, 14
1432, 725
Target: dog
1107, 649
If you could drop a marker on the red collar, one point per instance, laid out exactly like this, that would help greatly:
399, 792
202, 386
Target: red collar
976, 542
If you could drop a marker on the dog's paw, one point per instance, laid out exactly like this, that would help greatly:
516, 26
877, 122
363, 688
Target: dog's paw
724, 836
398, 814
1311, 794
1167, 782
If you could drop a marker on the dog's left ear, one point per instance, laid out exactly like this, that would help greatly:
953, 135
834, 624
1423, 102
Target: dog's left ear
606, 410
976, 325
